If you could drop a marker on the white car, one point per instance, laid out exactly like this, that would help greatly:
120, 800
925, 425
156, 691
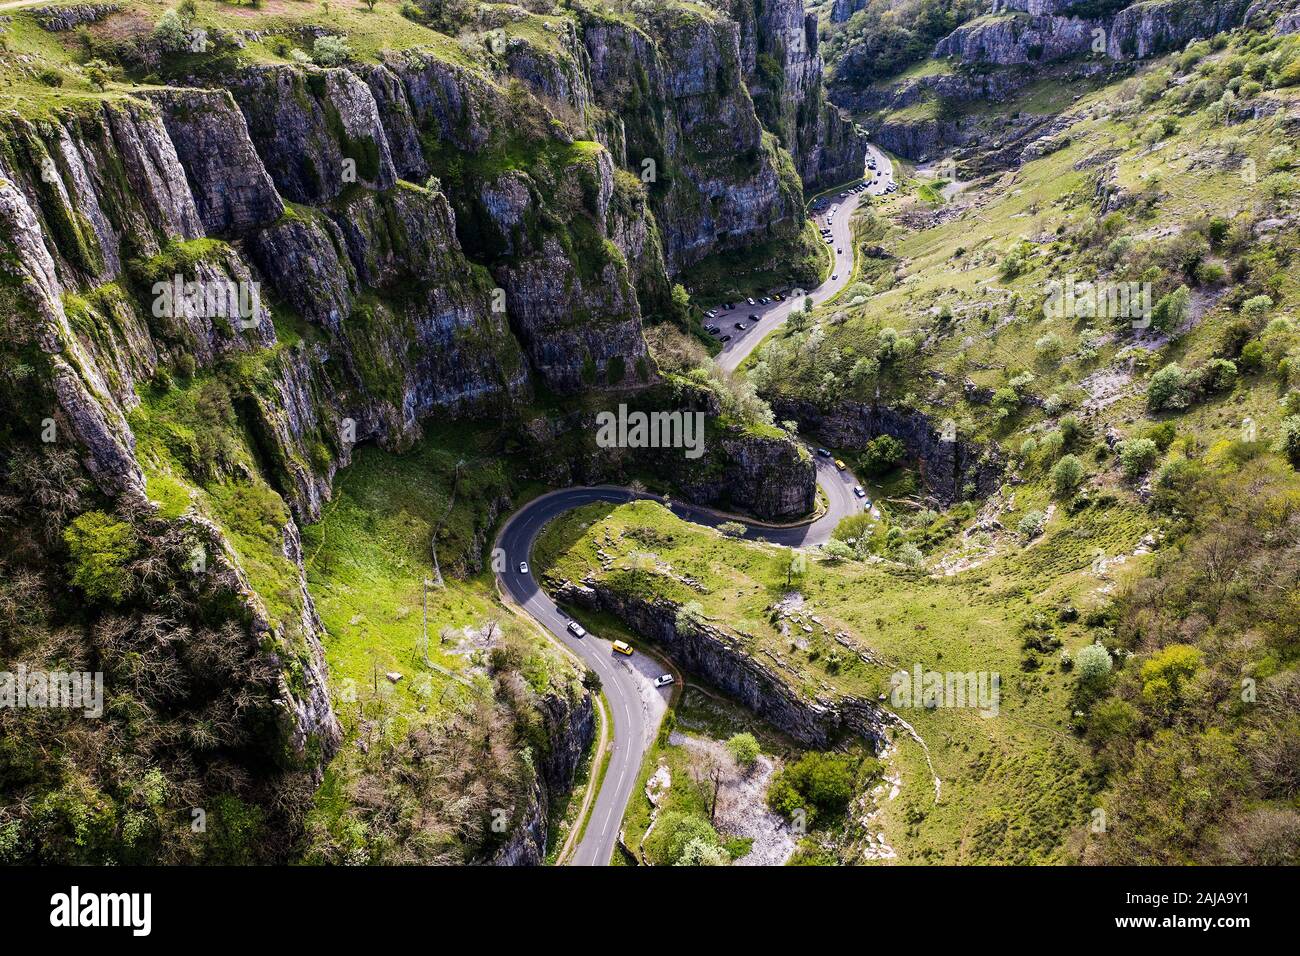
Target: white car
857, 490
523, 567
577, 630
664, 681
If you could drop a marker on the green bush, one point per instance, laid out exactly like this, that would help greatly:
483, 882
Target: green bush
819, 784
1172, 310
101, 547
1166, 672
1289, 443
1168, 389
743, 748
681, 839
1067, 475
1137, 455
1031, 525
883, 454
330, 51
1093, 664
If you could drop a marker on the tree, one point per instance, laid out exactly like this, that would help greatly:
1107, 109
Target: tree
837, 551
883, 454
910, 555
330, 51
1168, 389
743, 748
170, 32
1165, 673
732, 529
1067, 475
1289, 443
700, 852
673, 833
1137, 455
819, 784
101, 547
681, 305
1031, 525
799, 561
1093, 664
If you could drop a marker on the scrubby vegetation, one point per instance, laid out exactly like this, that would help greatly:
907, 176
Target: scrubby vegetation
441, 765
1137, 548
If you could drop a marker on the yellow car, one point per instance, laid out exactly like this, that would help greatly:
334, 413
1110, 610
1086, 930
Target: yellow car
623, 648
840, 465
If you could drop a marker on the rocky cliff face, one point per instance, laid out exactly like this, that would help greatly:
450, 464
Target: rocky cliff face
570, 728
779, 48
769, 477
688, 127
399, 239
725, 662
951, 470
1049, 31
77, 197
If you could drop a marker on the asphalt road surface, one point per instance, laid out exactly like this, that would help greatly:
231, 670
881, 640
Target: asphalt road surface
774, 313
626, 679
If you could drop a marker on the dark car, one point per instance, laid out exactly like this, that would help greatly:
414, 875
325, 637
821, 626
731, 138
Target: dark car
753, 318
741, 326
711, 329
725, 338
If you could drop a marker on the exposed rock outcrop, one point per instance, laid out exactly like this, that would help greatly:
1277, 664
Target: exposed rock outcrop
570, 729
724, 661
783, 66
1050, 31
950, 469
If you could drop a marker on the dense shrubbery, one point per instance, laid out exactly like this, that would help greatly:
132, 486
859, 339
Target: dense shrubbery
819, 785
1199, 731
684, 839
886, 36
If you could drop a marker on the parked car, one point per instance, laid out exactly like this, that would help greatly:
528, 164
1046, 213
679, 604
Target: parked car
823, 452
711, 329
834, 276
741, 326
664, 681
753, 318
839, 250
577, 630
749, 302
725, 338
623, 647
857, 490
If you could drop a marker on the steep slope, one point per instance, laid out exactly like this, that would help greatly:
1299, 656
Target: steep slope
218, 286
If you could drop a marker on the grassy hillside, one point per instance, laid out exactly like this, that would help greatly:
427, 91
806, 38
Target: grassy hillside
1131, 576
1012, 786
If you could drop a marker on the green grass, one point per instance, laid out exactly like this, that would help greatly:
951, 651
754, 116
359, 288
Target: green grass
1032, 782
368, 556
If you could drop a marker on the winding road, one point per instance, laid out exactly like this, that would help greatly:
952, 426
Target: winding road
628, 681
